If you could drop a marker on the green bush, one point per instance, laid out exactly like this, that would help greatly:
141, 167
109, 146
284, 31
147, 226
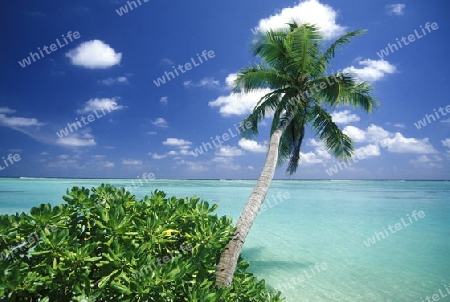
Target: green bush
103, 245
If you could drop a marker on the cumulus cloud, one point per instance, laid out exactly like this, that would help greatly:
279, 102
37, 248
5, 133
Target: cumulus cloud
310, 158
318, 156
367, 151
344, 117
395, 9
94, 54
252, 146
178, 142
446, 142
238, 103
310, 11
393, 142
401, 144
425, 161
229, 151
372, 134
160, 122
372, 70
106, 104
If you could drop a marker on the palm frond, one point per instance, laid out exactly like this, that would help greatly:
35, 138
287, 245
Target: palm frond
304, 51
328, 55
343, 90
258, 77
339, 144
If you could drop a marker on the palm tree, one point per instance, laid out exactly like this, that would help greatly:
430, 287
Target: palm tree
294, 68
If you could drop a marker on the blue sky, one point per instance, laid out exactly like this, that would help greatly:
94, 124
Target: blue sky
105, 74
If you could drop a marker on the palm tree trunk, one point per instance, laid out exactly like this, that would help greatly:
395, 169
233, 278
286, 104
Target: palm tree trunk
228, 259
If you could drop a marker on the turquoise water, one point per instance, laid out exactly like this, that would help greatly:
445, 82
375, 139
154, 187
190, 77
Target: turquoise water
312, 243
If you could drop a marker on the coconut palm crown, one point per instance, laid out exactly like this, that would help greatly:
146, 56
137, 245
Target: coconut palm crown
295, 69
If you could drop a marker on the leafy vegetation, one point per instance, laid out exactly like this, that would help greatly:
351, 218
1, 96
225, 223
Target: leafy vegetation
104, 245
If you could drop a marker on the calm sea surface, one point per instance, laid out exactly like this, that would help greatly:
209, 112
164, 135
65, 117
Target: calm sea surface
322, 240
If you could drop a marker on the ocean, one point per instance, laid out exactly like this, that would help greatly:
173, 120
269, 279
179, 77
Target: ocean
386, 241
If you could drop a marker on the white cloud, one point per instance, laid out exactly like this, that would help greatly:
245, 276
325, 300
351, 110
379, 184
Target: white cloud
424, 161
310, 11
318, 156
106, 104
229, 151
372, 134
94, 54
367, 151
176, 142
205, 82
12, 121
344, 117
7, 110
356, 134
131, 162
401, 144
111, 81
314, 143
238, 103
160, 122
76, 142
157, 156
446, 142
252, 146
376, 134
372, 70
164, 100
229, 80
310, 158
395, 9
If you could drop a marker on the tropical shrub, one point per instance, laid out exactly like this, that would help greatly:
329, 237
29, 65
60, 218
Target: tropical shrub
104, 245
